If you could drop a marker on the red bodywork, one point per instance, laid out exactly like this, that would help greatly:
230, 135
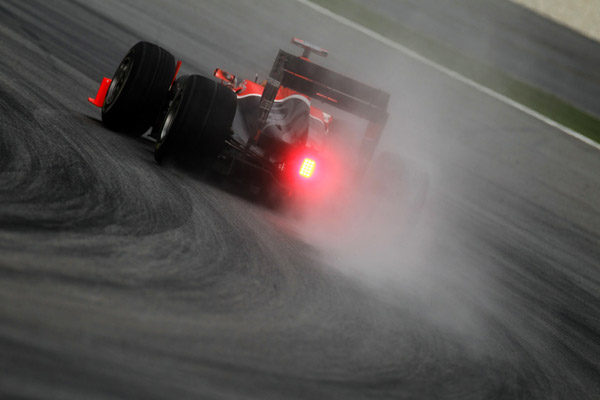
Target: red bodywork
98, 101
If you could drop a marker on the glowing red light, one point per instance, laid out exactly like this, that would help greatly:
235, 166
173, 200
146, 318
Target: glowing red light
307, 168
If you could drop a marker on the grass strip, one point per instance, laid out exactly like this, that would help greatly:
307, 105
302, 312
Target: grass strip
533, 97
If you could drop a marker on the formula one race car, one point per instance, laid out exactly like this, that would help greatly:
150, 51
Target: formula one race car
279, 136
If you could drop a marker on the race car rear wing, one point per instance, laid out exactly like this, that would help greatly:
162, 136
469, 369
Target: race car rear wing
303, 76
331, 87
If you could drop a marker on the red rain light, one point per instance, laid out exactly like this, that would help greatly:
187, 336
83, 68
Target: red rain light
307, 168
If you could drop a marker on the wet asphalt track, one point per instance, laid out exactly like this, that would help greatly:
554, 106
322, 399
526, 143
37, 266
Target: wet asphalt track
514, 40
122, 279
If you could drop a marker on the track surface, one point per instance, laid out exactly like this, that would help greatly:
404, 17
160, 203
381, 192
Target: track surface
122, 279
511, 38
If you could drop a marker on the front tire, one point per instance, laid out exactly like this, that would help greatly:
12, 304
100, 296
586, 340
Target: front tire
139, 89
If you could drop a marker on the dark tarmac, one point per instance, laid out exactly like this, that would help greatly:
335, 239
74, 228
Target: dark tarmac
475, 276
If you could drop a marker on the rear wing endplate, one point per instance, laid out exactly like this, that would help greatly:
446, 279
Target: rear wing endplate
303, 76
331, 87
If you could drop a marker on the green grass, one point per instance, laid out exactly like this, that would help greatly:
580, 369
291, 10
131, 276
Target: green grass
476, 70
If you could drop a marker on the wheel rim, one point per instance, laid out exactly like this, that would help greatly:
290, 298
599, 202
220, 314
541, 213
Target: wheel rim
167, 123
118, 81
170, 117
166, 127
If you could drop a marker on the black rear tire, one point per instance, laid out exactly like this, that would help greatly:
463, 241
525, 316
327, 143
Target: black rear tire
139, 89
198, 119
